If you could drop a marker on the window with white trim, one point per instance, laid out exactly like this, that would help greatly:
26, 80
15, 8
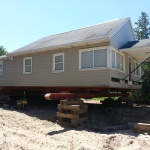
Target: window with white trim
27, 65
1, 67
117, 60
113, 60
137, 71
58, 62
93, 59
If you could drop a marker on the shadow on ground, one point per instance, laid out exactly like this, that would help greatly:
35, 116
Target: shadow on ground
102, 119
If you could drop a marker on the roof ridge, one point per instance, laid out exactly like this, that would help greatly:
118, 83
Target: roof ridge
101, 30
125, 21
84, 27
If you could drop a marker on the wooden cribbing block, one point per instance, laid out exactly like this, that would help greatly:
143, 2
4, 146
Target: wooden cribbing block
80, 120
73, 122
72, 112
75, 112
84, 106
69, 116
72, 107
69, 107
139, 127
71, 102
79, 107
63, 123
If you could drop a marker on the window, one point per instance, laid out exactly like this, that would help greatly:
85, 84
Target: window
117, 60
27, 65
137, 71
1, 67
58, 62
113, 59
93, 59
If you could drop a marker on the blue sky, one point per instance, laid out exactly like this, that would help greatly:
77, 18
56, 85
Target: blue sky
25, 21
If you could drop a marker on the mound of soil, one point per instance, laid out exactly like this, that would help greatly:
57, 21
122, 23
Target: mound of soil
36, 129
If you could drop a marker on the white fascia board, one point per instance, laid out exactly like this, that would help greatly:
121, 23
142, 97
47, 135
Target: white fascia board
74, 44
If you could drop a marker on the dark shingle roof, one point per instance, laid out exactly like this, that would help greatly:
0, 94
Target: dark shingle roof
99, 31
137, 44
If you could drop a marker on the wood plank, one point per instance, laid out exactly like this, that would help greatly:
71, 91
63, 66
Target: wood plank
78, 112
67, 123
80, 120
63, 123
139, 127
72, 107
70, 116
73, 122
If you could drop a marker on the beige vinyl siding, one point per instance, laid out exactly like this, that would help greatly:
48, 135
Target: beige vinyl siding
6, 77
119, 74
43, 75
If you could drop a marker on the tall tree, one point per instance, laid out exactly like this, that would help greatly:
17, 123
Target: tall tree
146, 82
2, 51
142, 31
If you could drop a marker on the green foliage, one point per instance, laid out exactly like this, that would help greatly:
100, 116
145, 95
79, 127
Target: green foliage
143, 95
2, 51
103, 98
136, 95
146, 82
142, 31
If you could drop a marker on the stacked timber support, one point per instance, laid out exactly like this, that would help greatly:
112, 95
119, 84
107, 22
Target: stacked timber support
144, 126
72, 112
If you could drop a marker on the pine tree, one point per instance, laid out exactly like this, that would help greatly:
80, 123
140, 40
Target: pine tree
142, 31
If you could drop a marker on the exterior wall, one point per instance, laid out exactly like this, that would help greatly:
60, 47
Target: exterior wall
119, 74
43, 75
6, 77
122, 36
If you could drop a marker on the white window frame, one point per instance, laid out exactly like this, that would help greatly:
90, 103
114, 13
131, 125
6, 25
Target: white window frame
135, 62
1, 73
116, 60
54, 69
93, 49
129, 57
24, 66
111, 58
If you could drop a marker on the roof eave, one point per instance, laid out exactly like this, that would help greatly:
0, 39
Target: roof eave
74, 44
3, 57
134, 48
139, 53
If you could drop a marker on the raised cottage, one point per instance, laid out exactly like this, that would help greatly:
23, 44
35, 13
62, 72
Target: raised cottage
93, 58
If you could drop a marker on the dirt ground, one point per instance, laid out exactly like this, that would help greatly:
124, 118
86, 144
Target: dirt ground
36, 129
